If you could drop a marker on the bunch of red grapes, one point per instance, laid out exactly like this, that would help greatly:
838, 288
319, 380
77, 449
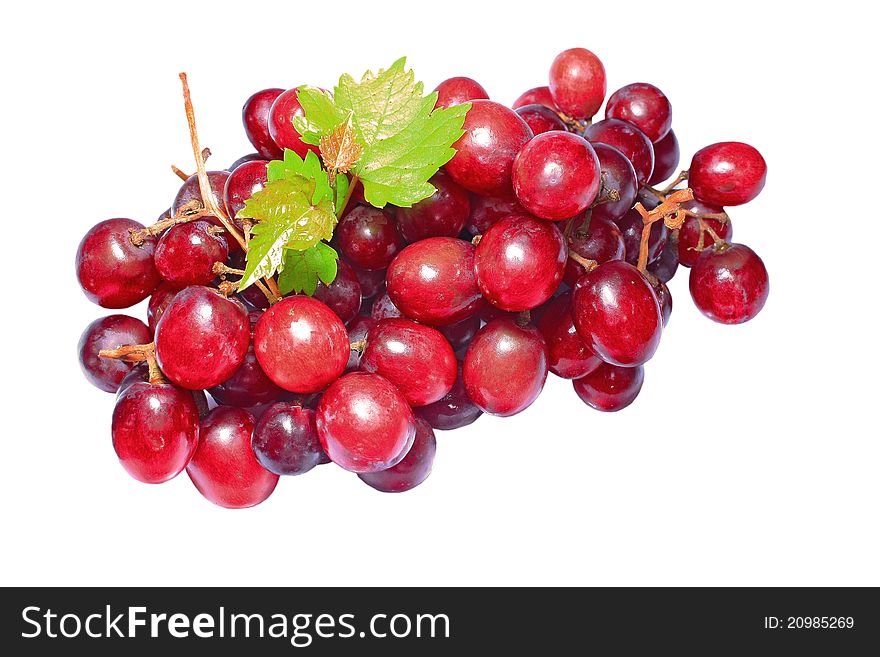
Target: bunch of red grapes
546, 247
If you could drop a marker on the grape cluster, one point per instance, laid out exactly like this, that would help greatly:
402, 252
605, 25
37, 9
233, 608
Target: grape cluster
546, 247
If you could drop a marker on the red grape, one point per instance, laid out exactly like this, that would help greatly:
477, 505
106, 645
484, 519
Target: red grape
286, 108
364, 423
493, 136
244, 182
569, 356
202, 338
255, 116
505, 367
610, 388
577, 83
415, 358
159, 302
617, 175
186, 253
535, 96
540, 118
443, 214
432, 281
556, 175
454, 411
617, 314
666, 158
113, 272
689, 233
368, 237
728, 173
224, 468
155, 430
486, 210
413, 469
456, 91
519, 262
631, 225
301, 344
599, 240
643, 105
286, 440
629, 140
109, 332
343, 295
729, 283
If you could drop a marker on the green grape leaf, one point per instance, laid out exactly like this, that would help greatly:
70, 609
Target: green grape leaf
310, 168
396, 170
382, 104
404, 140
287, 217
303, 269
321, 114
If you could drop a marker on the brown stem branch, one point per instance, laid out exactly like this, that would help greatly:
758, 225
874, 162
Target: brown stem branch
137, 353
183, 175
586, 263
208, 200
359, 346
679, 179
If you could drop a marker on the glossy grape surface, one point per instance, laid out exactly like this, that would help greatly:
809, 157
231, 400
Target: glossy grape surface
629, 140
505, 367
364, 423
643, 105
415, 358
433, 282
483, 161
284, 110
109, 332
202, 338
113, 272
413, 469
568, 355
556, 175
458, 90
443, 214
369, 237
610, 388
286, 440
617, 314
618, 175
224, 468
667, 155
255, 116
540, 118
729, 284
301, 344
519, 262
186, 253
155, 430
577, 83
727, 173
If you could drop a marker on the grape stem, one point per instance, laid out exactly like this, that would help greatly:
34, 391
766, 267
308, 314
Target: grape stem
348, 194
523, 319
138, 353
209, 203
359, 346
669, 211
221, 268
586, 263
180, 174
189, 212
680, 178
476, 240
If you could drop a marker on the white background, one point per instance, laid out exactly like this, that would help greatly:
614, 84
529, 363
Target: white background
751, 456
